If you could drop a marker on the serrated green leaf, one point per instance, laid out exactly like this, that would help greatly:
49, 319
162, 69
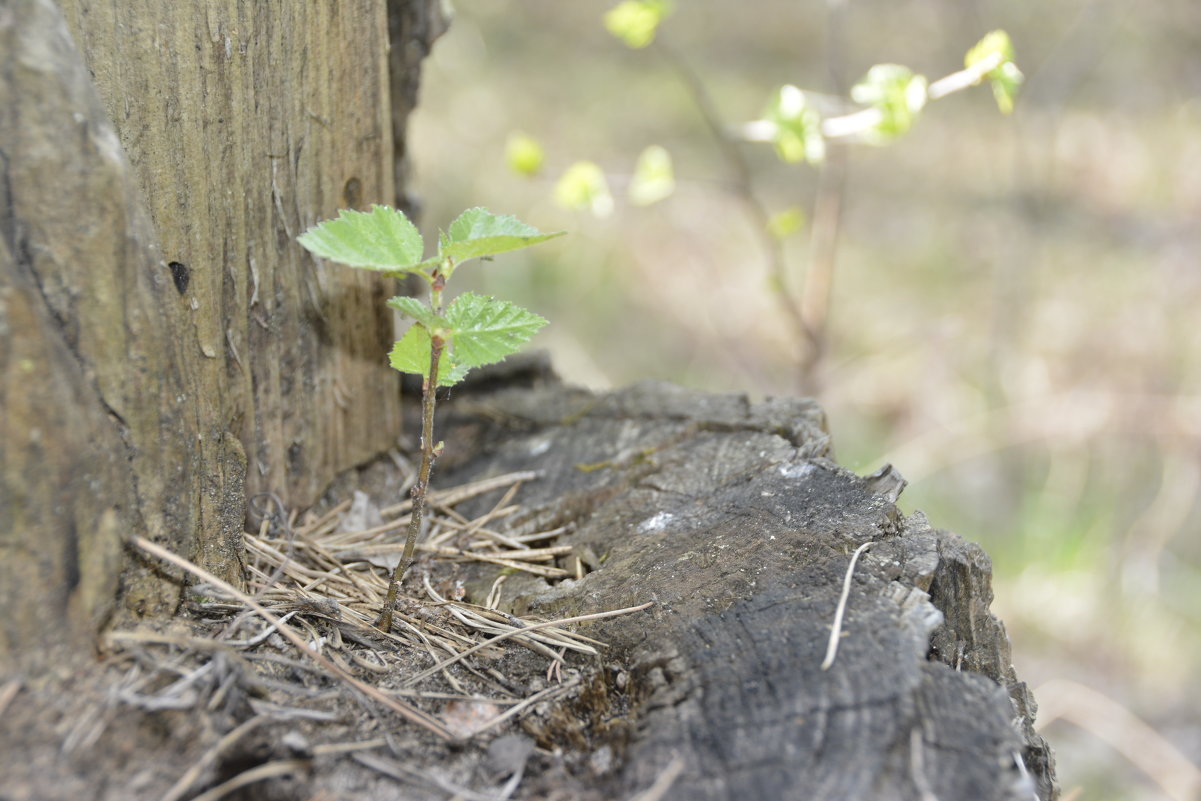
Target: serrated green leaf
897, 93
524, 154
419, 311
381, 239
411, 354
583, 186
478, 233
486, 330
636, 21
653, 178
798, 127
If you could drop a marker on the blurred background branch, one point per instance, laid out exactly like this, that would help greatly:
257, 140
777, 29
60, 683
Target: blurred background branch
1013, 317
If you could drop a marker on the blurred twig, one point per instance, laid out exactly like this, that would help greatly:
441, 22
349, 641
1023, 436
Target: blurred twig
744, 189
1124, 731
807, 310
819, 278
827, 215
1147, 537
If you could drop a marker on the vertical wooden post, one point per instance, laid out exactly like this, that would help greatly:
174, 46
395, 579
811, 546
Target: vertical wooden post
167, 350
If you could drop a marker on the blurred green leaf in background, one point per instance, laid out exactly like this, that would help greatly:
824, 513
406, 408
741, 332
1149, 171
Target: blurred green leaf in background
1004, 76
897, 94
797, 134
784, 224
584, 187
636, 21
524, 154
654, 179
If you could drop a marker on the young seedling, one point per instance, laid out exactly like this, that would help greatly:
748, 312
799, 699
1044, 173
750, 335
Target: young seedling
444, 342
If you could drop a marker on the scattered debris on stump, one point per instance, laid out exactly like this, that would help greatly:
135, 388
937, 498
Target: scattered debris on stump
619, 596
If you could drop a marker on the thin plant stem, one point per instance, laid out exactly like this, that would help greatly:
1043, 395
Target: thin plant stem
429, 453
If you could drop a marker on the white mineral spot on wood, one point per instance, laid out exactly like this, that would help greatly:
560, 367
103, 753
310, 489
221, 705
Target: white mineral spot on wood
796, 470
656, 522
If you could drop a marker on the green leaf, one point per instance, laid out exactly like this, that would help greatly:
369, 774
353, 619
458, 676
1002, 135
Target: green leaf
419, 311
478, 330
1005, 77
478, 233
897, 93
524, 154
653, 178
381, 239
786, 223
798, 127
411, 354
486, 330
636, 21
583, 187
994, 45
1005, 82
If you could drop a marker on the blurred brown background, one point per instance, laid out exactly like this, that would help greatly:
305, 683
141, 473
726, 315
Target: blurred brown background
1015, 305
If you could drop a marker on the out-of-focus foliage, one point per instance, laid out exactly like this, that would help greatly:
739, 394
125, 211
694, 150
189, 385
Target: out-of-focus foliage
798, 126
636, 21
897, 94
784, 224
654, 179
1013, 321
524, 154
584, 187
1005, 77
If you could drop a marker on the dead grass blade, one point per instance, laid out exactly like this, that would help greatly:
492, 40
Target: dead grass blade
426, 721
526, 630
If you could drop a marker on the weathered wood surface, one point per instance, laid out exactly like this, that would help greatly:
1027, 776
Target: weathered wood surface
91, 374
167, 348
245, 124
731, 516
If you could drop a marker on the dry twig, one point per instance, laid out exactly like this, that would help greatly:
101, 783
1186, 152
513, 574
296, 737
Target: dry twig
836, 629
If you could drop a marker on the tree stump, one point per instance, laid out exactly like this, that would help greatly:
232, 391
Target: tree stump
164, 346
732, 517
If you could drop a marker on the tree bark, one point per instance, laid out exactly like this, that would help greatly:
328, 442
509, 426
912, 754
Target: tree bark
167, 349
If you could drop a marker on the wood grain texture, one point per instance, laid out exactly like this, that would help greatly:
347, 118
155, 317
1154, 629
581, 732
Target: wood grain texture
246, 123
732, 517
81, 294
158, 160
